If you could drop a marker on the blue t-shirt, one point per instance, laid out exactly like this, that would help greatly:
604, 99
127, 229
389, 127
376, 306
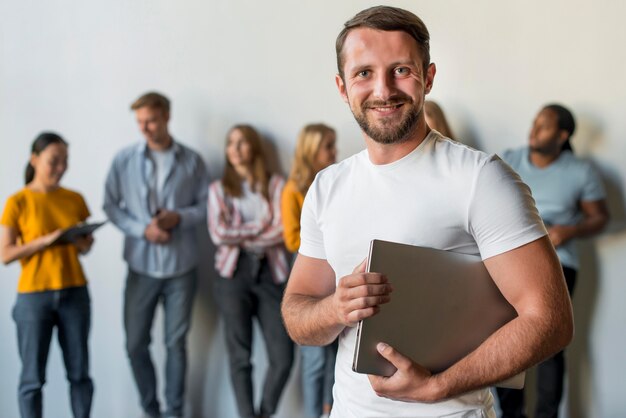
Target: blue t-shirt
558, 190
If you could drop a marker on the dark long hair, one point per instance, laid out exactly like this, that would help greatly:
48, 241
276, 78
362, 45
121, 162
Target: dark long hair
39, 144
566, 122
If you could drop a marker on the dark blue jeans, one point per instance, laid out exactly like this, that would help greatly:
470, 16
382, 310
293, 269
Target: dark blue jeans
550, 375
252, 293
36, 315
143, 294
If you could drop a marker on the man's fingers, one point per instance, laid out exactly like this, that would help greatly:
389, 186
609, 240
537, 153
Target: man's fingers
355, 316
361, 267
394, 357
360, 279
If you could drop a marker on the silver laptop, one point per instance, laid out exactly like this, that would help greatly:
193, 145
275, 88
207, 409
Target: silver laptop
444, 305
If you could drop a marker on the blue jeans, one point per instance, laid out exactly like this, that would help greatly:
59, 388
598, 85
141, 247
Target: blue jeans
36, 315
143, 294
318, 377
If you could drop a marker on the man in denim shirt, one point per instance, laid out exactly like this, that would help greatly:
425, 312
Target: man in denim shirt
156, 194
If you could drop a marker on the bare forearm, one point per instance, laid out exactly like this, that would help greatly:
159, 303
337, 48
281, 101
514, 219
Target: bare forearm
310, 320
590, 226
13, 252
514, 348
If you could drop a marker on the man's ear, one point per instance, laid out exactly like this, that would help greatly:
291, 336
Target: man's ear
341, 86
563, 136
430, 77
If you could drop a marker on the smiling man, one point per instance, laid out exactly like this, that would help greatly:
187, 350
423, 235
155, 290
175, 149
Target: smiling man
156, 193
413, 186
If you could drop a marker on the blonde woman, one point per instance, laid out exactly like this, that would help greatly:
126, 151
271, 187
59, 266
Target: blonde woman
315, 151
436, 119
245, 224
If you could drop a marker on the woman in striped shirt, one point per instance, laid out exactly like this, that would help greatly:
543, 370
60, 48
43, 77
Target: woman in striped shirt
246, 226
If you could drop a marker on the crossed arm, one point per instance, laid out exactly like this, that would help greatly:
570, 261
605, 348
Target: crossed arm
530, 277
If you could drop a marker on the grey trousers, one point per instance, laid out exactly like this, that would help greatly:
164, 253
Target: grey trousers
252, 293
143, 294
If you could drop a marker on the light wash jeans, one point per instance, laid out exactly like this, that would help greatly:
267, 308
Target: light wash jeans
36, 315
143, 294
318, 377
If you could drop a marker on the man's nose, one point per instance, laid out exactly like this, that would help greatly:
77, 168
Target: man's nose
384, 86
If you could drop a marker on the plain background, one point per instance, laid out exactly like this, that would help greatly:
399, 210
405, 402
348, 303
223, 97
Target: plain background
74, 67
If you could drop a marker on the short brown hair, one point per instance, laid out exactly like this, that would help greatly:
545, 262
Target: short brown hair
386, 18
152, 100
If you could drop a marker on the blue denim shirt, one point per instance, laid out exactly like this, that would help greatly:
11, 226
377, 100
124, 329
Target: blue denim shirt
126, 203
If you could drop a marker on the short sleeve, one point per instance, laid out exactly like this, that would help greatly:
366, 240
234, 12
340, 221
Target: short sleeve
10, 214
502, 213
311, 236
592, 189
83, 210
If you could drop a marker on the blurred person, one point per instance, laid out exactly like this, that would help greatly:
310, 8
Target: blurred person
571, 201
315, 150
52, 289
245, 224
436, 119
156, 193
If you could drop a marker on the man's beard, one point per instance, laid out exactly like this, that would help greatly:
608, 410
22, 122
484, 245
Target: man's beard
390, 132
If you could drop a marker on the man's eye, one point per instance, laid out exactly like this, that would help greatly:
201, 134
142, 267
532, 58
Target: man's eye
363, 73
402, 71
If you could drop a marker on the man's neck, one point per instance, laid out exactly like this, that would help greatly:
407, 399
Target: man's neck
541, 160
380, 154
162, 144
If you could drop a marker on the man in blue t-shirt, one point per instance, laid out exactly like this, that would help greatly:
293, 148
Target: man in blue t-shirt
571, 200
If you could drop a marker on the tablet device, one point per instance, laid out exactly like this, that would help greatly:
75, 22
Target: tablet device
444, 305
72, 233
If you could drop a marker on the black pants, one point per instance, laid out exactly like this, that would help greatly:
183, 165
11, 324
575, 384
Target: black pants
253, 293
549, 380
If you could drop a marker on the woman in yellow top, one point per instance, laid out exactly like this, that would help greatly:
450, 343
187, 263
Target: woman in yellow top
52, 289
315, 151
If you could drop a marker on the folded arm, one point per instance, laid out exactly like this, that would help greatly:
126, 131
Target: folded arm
531, 279
595, 217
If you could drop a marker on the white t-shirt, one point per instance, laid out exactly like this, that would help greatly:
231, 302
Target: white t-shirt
163, 163
443, 195
251, 204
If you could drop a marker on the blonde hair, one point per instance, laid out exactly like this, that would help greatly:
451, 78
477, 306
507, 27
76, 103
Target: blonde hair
303, 169
260, 175
434, 112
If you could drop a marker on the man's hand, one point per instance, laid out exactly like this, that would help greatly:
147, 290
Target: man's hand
155, 234
359, 295
411, 382
167, 219
560, 234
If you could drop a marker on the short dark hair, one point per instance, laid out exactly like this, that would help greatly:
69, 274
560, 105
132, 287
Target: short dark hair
386, 18
152, 100
566, 122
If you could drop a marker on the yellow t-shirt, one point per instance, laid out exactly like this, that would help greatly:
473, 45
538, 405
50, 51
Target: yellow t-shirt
34, 214
291, 209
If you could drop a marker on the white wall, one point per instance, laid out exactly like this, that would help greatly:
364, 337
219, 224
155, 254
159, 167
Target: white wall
74, 67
